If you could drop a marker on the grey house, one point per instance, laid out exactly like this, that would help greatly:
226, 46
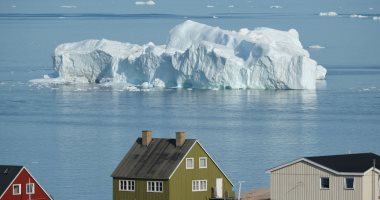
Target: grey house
336, 177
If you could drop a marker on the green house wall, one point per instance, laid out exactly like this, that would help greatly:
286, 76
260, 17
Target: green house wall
180, 184
140, 192
179, 187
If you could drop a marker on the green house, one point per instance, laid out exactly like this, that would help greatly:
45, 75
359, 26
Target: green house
169, 169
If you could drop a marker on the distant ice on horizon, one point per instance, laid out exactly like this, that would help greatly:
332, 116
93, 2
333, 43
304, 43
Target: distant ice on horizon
328, 14
358, 16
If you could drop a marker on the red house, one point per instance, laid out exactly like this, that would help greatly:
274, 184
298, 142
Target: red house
16, 183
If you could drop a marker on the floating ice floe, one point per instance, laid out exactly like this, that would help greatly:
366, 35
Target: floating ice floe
209, 6
316, 47
231, 6
68, 6
149, 3
328, 14
358, 16
376, 18
195, 56
277, 7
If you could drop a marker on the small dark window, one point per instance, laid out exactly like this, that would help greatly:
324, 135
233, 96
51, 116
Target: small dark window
349, 183
325, 183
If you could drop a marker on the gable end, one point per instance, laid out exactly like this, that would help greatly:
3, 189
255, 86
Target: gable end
216, 164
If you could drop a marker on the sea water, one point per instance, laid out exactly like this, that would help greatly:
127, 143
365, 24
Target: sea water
71, 137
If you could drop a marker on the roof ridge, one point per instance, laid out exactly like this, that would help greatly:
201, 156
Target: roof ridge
335, 155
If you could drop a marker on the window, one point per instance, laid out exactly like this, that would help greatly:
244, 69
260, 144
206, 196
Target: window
126, 185
199, 185
16, 189
189, 163
325, 183
154, 186
30, 188
203, 162
349, 183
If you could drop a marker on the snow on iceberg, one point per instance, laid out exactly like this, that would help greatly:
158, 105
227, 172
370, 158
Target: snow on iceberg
195, 56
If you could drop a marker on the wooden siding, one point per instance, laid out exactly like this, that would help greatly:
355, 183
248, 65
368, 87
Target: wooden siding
24, 178
301, 181
140, 192
368, 186
181, 182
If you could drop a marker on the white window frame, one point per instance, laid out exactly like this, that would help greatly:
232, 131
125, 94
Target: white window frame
27, 188
196, 186
156, 186
19, 189
320, 183
192, 161
129, 185
345, 183
202, 167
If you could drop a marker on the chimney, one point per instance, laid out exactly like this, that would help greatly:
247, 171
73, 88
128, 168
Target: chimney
180, 138
146, 137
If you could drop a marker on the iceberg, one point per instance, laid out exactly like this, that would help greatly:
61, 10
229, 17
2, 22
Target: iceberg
195, 56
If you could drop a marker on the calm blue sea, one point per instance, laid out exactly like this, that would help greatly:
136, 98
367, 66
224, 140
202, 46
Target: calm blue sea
72, 137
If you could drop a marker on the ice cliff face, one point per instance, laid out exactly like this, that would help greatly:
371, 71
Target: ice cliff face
197, 56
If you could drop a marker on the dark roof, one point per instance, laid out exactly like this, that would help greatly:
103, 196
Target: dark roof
352, 163
7, 174
156, 161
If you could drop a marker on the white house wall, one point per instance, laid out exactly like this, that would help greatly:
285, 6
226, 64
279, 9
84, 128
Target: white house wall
368, 186
301, 181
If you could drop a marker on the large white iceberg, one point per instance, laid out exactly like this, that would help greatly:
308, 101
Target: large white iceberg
196, 56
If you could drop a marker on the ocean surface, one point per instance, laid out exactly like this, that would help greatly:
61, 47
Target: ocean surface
71, 137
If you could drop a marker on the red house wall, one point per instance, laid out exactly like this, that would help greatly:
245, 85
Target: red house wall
23, 178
